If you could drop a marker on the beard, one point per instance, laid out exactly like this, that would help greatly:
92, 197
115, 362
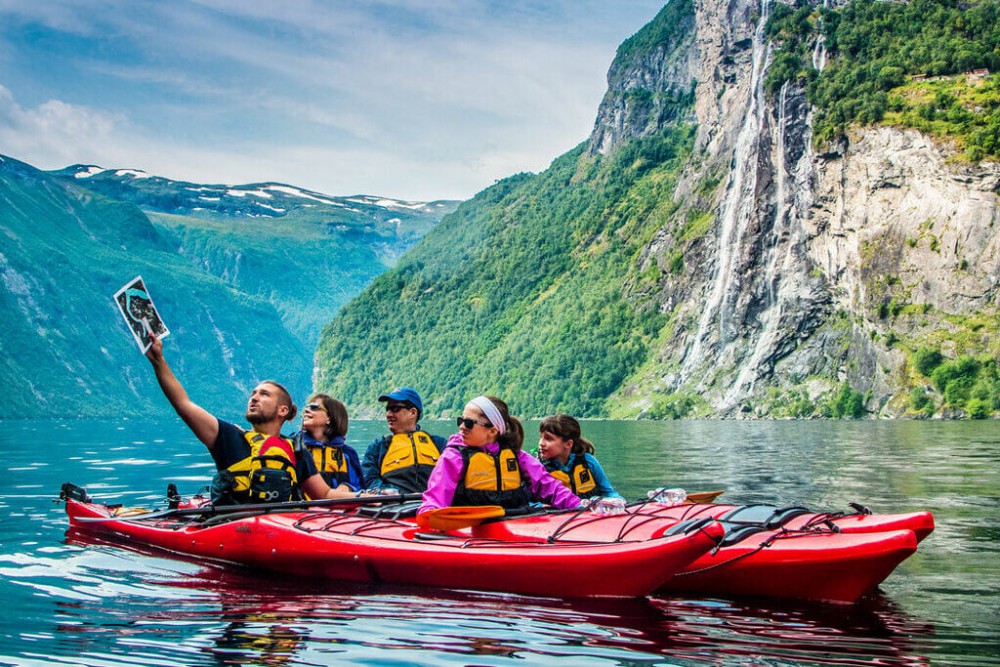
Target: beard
259, 417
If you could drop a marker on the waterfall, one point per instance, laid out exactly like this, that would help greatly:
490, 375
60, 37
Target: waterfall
780, 205
772, 312
819, 54
738, 207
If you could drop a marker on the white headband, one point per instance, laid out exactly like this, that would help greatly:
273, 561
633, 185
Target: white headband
491, 412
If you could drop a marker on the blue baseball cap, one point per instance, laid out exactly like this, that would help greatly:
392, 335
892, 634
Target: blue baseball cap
407, 395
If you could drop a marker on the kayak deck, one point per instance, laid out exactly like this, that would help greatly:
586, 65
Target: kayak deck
757, 550
797, 518
787, 554
340, 545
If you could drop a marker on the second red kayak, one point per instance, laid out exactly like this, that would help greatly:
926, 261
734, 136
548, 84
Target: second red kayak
790, 555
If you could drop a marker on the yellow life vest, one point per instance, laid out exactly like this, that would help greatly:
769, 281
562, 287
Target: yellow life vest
408, 461
268, 473
490, 480
579, 480
329, 460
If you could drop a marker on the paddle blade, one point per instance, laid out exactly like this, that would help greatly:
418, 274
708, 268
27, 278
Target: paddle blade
456, 518
703, 496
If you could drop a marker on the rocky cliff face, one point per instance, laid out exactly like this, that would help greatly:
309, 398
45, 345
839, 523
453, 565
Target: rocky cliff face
808, 269
651, 80
895, 223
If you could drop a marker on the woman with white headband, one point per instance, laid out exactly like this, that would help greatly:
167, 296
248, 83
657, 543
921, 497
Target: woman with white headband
484, 464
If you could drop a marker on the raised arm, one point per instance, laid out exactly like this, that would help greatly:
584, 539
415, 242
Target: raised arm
203, 424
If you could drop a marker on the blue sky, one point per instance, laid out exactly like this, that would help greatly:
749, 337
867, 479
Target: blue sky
401, 98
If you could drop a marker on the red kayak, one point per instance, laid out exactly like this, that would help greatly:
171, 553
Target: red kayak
802, 559
346, 545
825, 566
797, 518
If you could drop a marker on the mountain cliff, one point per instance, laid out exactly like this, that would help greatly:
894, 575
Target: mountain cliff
783, 210
828, 274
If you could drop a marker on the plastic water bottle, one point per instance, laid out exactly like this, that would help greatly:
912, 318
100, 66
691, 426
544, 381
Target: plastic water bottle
609, 506
668, 497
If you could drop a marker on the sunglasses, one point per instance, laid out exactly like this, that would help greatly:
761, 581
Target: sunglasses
469, 423
315, 407
397, 407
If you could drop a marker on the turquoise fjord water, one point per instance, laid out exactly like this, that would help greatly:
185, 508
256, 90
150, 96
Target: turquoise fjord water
67, 602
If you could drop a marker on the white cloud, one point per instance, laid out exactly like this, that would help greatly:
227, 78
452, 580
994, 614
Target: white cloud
413, 99
55, 134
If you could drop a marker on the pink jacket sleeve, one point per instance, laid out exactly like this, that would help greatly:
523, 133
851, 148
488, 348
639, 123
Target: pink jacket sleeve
444, 478
544, 486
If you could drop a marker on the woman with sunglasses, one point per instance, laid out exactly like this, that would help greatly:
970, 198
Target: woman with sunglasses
324, 425
484, 464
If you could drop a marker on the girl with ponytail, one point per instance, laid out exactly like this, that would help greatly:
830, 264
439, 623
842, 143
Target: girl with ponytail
484, 464
569, 457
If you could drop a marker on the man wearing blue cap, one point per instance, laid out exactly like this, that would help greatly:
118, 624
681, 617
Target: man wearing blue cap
402, 460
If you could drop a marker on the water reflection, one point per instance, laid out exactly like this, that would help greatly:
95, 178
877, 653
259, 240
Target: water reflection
208, 615
876, 632
71, 602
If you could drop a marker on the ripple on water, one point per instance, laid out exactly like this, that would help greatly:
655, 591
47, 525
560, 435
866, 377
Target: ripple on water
103, 605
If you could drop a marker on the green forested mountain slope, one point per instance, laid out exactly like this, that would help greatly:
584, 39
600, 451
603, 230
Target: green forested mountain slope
297, 265
538, 288
903, 63
521, 291
65, 350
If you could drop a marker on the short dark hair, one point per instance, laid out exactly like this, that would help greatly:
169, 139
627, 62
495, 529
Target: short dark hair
284, 398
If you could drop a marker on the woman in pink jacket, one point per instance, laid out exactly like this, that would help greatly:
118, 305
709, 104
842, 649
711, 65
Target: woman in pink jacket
484, 464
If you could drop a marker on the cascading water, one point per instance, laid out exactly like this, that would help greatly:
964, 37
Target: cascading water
780, 205
771, 314
819, 52
738, 208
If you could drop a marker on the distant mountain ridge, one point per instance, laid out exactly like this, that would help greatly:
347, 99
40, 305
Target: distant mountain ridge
243, 286
251, 200
313, 241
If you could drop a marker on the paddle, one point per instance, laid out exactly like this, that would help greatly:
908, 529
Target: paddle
456, 518
703, 496
263, 508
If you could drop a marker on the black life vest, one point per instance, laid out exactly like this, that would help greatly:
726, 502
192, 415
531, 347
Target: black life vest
491, 480
267, 474
408, 461
579, 480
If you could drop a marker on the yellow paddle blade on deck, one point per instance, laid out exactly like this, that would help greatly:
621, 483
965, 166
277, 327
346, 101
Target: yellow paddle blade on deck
703, 496
456, 518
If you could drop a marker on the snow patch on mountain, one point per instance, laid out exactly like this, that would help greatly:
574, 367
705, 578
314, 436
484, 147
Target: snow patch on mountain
88, 171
